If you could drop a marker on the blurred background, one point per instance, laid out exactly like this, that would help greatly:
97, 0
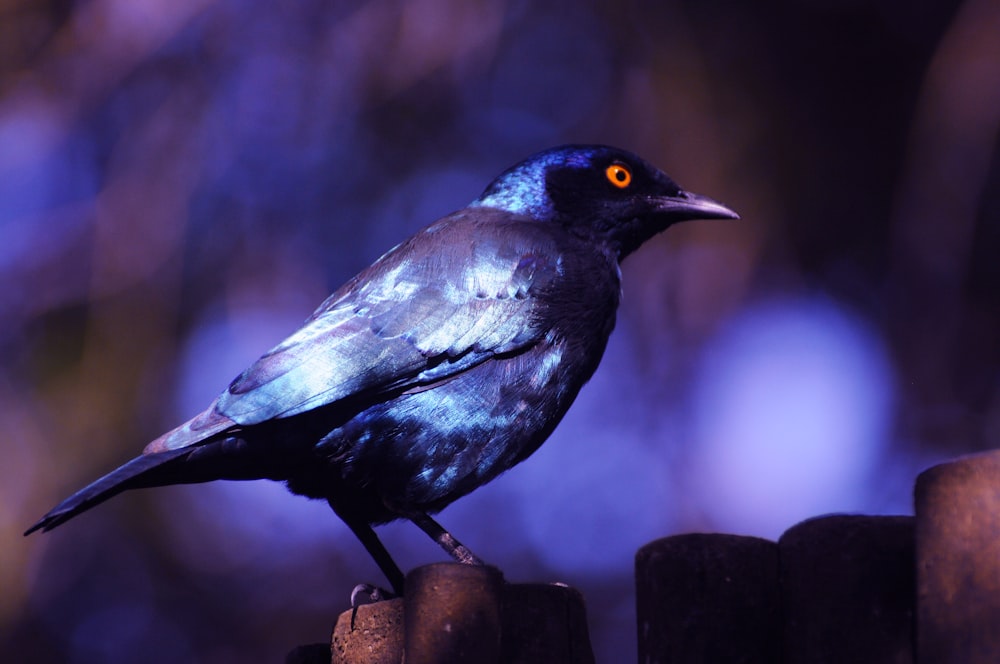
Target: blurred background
183, 181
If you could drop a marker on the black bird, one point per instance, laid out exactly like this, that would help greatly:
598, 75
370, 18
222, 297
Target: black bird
440, 366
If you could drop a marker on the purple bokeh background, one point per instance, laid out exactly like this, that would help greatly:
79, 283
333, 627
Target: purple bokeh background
182, 182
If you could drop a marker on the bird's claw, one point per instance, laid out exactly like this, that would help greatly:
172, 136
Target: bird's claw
366, 593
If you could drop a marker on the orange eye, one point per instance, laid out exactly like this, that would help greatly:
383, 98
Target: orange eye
619, 175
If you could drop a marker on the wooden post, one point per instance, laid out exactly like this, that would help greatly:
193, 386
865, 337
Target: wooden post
847, 585
452, 613
544, 622
376, 636
466, 613
958, 561
708, 598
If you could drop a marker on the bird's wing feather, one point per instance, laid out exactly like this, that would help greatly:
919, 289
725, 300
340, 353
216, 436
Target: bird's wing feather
424, 311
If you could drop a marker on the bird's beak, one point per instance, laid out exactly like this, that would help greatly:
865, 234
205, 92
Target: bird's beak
686, 205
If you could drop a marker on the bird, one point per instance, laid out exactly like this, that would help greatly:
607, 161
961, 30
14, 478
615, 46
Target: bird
446, 362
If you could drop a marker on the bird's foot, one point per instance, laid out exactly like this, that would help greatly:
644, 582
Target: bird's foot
366, 593
445, 540
461, 553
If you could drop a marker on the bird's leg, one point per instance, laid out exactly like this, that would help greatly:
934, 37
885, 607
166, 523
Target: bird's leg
377, 551
445, 540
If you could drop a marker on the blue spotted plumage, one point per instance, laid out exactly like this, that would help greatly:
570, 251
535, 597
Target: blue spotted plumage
447, 361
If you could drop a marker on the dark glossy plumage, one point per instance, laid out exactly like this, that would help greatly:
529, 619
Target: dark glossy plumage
449, 360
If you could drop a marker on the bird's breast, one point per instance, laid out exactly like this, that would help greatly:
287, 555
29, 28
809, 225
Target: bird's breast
425, 449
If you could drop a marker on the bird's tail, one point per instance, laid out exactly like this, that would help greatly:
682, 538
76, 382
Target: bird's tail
143, 471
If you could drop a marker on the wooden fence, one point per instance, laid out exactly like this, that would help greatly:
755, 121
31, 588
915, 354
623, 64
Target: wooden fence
835, 589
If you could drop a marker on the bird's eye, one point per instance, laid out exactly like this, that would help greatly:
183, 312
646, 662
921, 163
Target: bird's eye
619, 175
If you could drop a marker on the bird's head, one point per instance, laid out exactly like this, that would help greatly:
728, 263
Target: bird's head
607, 195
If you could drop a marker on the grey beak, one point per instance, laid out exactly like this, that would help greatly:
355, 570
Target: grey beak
692, 206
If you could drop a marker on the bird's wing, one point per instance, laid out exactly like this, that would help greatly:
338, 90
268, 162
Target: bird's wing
456, 294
